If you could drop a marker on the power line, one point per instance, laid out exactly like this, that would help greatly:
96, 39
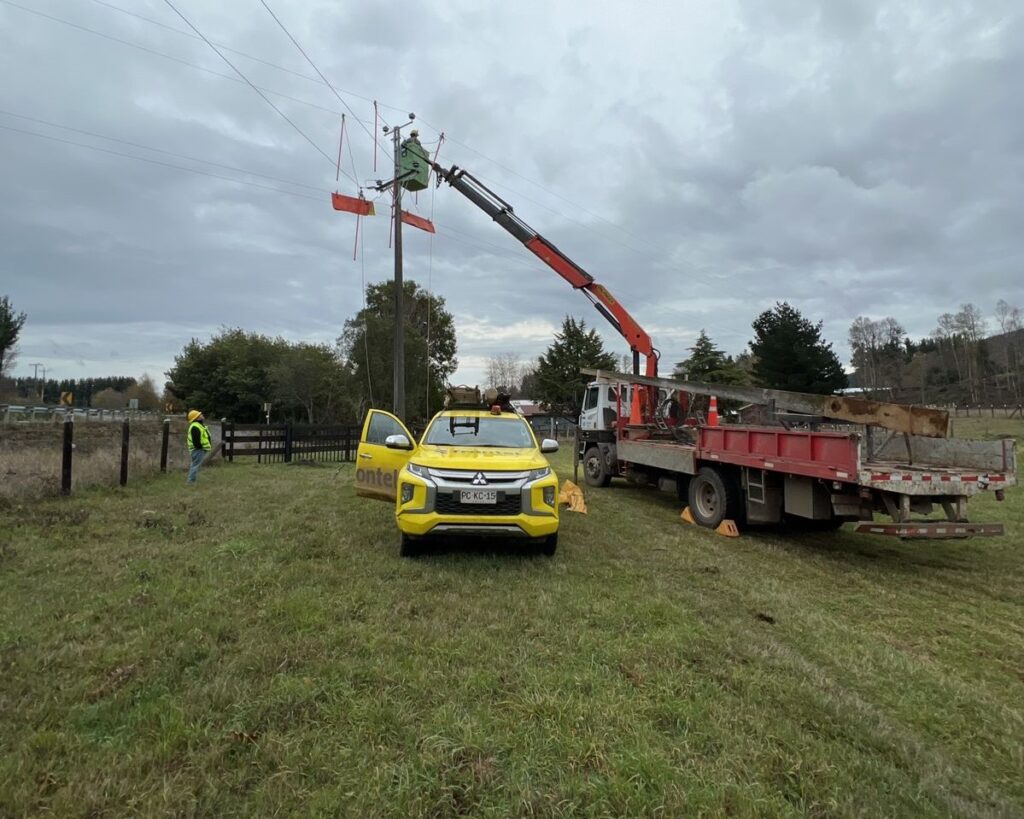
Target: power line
157, 150
245, 54
166, 56
159, 162
265, 98
516, 258
320, 73
261, 91
424, 122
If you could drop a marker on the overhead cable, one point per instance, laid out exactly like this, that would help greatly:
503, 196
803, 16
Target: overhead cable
249, 82
320, 73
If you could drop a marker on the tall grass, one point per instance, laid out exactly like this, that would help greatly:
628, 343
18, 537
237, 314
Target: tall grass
254, 646
31, 456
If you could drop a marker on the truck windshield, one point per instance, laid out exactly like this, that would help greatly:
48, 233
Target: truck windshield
455, 430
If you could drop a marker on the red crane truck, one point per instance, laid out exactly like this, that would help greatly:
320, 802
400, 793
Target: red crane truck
872, 458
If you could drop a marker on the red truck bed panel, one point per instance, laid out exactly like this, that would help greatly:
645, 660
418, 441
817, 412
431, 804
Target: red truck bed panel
830, 455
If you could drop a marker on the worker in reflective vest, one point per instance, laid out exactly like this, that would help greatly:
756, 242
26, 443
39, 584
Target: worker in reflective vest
198, 439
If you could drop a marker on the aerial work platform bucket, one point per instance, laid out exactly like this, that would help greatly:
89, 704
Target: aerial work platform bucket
413, 164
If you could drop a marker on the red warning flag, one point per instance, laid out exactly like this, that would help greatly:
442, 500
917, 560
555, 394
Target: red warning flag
418, 222
352, 204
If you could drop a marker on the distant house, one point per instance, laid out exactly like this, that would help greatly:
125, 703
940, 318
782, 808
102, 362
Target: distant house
544, 423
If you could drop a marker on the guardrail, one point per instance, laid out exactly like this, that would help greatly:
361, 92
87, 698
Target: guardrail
14, 413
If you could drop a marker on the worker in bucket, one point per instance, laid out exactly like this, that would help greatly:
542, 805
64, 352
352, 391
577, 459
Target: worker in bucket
198, 440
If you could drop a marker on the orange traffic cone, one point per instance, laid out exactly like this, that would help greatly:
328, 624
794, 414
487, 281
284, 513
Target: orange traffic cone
636, 415
713, 412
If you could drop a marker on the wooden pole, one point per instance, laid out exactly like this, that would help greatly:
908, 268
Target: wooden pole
398, 349
165, 438
69, 446
124, 453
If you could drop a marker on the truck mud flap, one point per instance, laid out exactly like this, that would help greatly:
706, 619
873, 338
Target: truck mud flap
936, 530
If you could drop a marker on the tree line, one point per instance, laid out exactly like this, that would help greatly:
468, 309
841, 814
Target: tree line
959, 362
236, 373
787, 352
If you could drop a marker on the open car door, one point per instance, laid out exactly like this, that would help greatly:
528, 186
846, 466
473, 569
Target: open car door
377, 463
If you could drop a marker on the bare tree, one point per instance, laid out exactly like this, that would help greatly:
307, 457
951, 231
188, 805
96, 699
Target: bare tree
946, 330
877, 350
505, 372
971, 326
1010, 319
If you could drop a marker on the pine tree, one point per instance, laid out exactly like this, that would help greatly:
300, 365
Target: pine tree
790, 353
708, 363
560, 384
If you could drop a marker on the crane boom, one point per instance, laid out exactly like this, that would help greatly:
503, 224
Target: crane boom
606, 304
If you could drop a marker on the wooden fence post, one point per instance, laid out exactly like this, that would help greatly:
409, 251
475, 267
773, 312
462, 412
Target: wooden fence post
288, 443
65, 466
124, 453
165, 437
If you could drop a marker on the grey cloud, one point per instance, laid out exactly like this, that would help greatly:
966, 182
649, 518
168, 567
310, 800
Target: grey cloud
849, 157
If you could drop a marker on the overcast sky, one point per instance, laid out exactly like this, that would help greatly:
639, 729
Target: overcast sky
701, 159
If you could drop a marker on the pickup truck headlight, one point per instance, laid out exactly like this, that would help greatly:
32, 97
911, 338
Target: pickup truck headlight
537, 474
419, 471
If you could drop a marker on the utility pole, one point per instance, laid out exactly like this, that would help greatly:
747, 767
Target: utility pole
398, 353
35, 373
398, 350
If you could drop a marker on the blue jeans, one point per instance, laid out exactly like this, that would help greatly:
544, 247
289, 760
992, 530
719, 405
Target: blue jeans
197, 459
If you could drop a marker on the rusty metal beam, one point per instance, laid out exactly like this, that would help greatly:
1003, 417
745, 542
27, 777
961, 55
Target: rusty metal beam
931, 423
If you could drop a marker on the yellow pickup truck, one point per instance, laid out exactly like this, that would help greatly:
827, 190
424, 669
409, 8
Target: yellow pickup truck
477, 472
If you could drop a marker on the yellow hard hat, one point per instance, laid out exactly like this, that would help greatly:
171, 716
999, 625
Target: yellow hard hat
193, 414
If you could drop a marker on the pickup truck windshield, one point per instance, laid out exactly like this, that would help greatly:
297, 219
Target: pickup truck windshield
453, 430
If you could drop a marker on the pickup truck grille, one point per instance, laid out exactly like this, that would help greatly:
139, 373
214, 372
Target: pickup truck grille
448, 504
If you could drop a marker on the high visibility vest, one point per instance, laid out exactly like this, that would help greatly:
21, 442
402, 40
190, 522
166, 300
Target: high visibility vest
204, 434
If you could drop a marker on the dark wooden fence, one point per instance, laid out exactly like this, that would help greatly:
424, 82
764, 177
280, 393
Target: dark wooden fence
284, 443
987, 410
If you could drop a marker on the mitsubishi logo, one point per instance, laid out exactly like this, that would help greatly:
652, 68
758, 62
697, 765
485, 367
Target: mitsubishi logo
479, 479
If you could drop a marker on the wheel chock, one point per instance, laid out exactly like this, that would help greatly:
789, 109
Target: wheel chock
687, 516
727, 528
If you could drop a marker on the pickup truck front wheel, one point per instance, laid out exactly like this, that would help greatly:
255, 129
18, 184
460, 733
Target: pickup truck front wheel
550, 544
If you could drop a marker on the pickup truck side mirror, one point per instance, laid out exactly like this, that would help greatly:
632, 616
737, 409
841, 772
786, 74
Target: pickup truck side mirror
397, 442
549, 445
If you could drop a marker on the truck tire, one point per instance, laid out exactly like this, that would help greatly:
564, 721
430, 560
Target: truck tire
408, 547
595, 470
549, 545
714, 497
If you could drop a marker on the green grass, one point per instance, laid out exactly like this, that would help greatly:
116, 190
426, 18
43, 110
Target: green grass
257, 647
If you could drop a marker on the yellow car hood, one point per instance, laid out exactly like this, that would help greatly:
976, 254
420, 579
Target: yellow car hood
458, 457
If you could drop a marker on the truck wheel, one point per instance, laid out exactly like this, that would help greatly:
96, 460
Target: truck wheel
550, 544
595, 470
408, 547
714, 498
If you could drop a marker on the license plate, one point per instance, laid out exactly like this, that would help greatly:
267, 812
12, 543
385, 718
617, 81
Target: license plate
479, 496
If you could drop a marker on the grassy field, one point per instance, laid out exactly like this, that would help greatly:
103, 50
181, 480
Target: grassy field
257, 647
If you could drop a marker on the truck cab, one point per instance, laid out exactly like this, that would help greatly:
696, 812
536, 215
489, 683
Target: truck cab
601, 406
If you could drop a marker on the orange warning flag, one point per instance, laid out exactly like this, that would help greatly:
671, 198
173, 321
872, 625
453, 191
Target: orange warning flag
352, 204
418, 222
